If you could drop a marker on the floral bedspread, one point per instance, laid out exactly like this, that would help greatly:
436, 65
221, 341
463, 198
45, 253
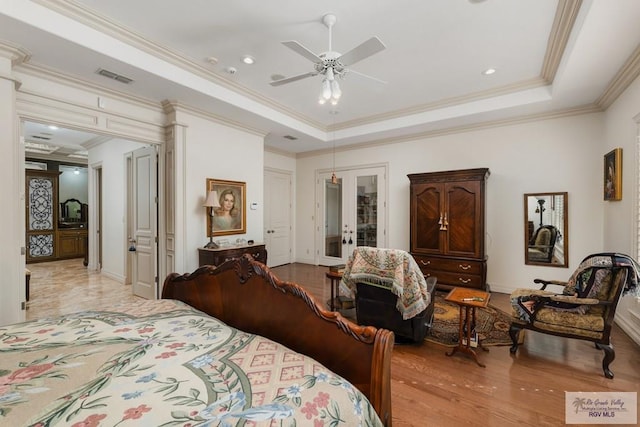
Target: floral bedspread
163, 363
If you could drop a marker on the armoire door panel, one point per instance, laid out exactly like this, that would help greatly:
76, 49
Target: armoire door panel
462, 228
428, 206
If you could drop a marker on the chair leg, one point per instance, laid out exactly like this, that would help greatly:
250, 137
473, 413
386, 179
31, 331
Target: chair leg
514, 333
609, 355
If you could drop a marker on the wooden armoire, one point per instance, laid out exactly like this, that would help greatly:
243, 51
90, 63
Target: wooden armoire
447, 211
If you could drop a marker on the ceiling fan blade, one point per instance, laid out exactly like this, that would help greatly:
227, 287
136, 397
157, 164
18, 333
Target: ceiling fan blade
298, 48
366, 75
293, 78
362, 51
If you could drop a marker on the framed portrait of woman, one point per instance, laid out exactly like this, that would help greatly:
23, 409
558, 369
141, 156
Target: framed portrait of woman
613, 175
229, 217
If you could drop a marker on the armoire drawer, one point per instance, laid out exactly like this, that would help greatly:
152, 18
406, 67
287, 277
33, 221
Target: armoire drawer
456, 279
427, 263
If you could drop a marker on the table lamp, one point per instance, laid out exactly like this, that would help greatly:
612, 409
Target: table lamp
212, 203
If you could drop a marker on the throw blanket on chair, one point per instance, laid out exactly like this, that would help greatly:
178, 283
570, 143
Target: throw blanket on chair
391, 269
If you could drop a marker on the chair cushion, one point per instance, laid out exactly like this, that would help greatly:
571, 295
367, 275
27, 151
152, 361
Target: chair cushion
543, 237
569, 321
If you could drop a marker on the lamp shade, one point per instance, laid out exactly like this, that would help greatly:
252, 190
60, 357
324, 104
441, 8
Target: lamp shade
212, 200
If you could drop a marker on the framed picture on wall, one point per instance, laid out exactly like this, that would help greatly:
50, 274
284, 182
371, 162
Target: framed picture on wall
613, 175
229, 217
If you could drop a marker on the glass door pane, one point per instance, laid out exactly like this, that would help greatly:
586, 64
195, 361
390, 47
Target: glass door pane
333, 218
367, 210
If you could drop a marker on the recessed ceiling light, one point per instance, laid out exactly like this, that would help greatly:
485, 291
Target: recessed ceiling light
212, 60
248, 59
53, 127
489, 71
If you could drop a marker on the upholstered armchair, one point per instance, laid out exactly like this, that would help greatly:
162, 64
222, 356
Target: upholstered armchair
542, 243
585, 308
390, 292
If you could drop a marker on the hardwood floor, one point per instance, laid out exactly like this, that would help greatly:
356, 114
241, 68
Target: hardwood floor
428, 388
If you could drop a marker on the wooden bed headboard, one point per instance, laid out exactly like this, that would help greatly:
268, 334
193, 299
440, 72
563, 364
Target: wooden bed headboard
246, 295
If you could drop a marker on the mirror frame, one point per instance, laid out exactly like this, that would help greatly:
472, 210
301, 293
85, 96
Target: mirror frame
564, 231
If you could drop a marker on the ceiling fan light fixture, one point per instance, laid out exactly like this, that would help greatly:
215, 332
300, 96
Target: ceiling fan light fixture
329, 74
326, 89
336, 93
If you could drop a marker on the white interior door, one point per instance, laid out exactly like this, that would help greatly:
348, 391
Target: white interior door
144, 219
351, 213
277, 217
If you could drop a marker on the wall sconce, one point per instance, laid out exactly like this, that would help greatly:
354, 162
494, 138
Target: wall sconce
212, 203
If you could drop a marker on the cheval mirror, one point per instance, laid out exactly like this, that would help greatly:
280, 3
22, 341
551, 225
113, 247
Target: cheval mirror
546, 236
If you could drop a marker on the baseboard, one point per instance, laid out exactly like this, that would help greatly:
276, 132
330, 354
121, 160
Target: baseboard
628, 327
117, 277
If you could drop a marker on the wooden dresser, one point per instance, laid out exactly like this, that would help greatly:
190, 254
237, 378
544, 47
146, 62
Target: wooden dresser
218, 256
447, 223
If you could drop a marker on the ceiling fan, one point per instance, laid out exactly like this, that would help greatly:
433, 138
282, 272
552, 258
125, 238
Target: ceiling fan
330, 64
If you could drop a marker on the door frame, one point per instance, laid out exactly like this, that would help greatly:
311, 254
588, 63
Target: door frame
95, 217
95, 192
130, 203
319, 204
290, 175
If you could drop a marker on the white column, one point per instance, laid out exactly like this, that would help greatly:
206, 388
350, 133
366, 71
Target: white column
12, 228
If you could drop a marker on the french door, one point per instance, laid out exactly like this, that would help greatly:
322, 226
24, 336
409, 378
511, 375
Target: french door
351, 212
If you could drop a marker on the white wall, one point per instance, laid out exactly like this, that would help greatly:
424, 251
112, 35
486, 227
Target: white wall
620, 217
214, 150
72, 186
278, 161
546, 156
114, 190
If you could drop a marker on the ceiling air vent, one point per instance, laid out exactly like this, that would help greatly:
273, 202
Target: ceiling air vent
114, 76
290, 137
46, 138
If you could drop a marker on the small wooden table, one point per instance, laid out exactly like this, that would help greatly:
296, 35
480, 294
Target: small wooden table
468, 300
335, 278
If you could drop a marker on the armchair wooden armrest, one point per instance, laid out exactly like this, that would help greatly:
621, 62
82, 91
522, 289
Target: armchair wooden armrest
545, 283
575, 300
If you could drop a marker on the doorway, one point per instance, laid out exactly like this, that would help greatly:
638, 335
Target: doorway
277, 217
351, 212
107, 246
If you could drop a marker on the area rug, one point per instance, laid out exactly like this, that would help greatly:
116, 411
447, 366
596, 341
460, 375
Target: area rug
492, 324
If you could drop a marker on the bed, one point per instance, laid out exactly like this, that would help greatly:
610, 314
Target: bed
224, 346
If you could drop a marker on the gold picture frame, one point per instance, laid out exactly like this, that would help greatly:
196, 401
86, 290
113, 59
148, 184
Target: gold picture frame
227, 221
612, 175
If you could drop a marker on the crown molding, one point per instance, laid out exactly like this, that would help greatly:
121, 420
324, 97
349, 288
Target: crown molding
280, 152
56, 158
621, 81
97, 141
563, 23
577, 111
460, 100
16, 54
171, 106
